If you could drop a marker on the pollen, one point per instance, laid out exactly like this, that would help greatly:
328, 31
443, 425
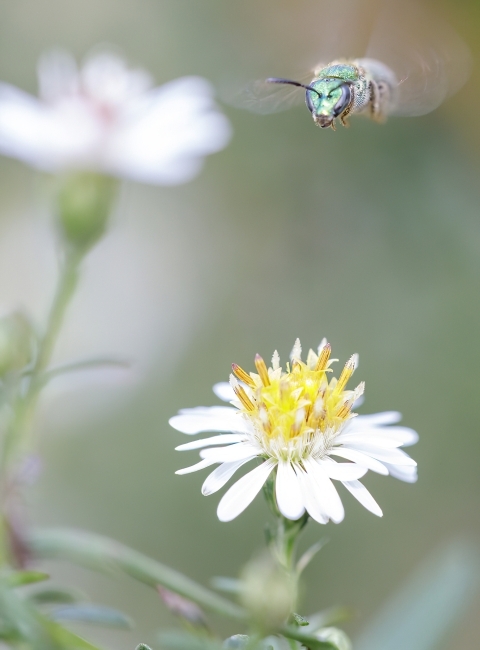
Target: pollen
301, 402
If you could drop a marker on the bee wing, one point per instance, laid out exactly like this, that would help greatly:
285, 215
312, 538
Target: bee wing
429, 59
264, 97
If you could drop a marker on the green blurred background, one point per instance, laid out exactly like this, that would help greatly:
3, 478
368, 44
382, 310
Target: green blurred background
369, 236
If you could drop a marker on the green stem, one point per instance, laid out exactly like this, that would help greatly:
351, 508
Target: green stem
17, 438
104, 554
66, 288
25, 405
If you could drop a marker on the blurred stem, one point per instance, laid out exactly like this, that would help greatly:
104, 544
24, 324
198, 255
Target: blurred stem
17, 437
26, 403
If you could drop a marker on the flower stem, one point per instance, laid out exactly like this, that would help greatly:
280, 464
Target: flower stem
17, 438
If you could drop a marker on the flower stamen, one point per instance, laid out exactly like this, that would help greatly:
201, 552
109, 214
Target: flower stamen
242, 375
323, 357
347, 372
262, 370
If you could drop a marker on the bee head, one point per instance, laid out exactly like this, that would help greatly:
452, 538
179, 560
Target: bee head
327, 99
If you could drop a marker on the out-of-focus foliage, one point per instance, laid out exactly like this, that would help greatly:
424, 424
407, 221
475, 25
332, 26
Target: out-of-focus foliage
424, 609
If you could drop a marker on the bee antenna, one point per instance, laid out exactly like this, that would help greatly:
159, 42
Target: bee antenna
277, 80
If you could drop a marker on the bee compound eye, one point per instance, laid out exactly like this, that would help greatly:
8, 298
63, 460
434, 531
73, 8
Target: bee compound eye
308, 101
344, 100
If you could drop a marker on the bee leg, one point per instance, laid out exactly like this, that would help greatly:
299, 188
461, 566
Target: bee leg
334, 128
344, 120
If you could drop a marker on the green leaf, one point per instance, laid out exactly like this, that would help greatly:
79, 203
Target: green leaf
103, 554
77, 366
309, 554
58, 596
26, 624
93, 614
19, 578
308, 640
419, 615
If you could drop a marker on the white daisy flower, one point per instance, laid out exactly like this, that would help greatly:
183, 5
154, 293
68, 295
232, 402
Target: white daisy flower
107, 118
298, 422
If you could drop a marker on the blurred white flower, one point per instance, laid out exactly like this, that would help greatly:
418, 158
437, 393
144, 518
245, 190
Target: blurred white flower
108, 118
295, 421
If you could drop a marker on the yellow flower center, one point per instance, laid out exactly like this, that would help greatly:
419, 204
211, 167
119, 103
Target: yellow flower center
299, 402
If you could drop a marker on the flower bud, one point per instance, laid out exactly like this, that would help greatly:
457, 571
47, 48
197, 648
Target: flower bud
16, 342
236, 642
336, 637
268, 593
84, 205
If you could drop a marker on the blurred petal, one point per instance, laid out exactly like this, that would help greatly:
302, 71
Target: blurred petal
166, 135
224, 391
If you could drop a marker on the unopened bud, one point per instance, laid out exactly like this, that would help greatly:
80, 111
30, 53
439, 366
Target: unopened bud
84, 205
16, 342
268, 593
236, 642
336, 637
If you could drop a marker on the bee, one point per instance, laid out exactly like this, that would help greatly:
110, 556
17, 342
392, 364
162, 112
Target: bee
343, 88
411, 64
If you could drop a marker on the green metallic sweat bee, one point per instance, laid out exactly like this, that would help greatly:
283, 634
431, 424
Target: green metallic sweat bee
343, 88
412, 63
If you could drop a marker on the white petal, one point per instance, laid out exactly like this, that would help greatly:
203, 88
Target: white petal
368, 438
361, 493
376, 419
243, 492
288, 492
57, 75
362, 459
222, 439
358, 402
194, 468
221, 475
43, 136
309, 492
224, 391
326, 492
405, 434
393, 456
166, 136
343, 471
404, 473
231, 453
213, 418
384, 437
